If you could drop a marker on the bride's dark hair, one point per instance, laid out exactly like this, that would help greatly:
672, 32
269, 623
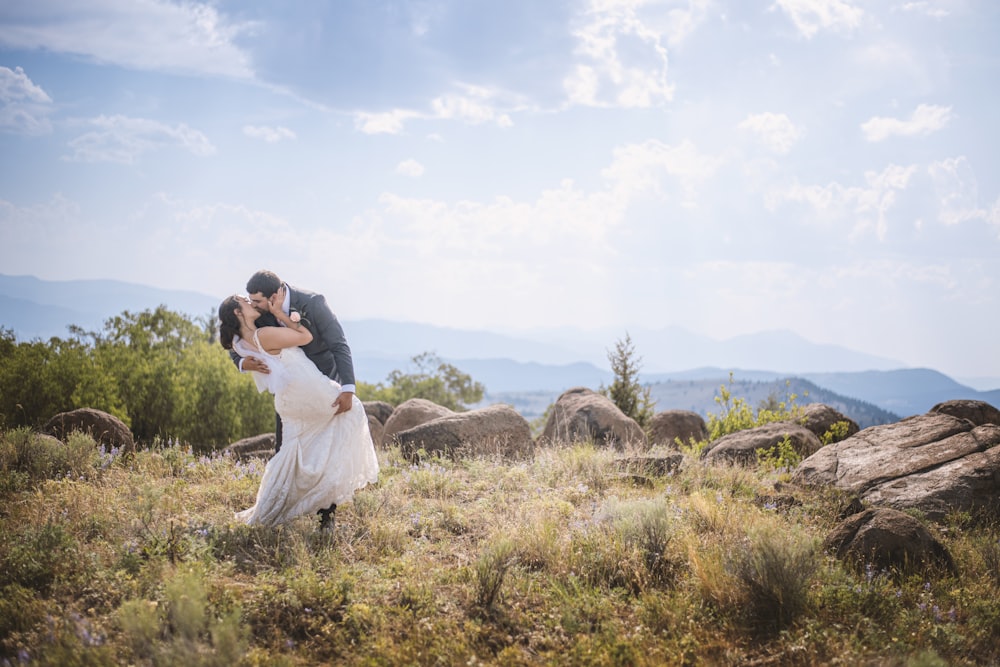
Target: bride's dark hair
229, 324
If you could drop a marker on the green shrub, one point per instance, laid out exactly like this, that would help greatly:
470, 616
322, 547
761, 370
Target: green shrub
773, 570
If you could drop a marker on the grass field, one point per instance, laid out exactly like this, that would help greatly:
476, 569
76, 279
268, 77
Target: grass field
560, 559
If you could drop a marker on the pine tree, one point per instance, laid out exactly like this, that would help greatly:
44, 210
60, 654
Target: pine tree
626, 391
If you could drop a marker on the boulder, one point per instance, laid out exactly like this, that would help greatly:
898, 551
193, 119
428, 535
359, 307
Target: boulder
936, 463
381, 410
104, 428
652, 465
377, 430
497, 429
977, 412
669, 426
256, 446
412, 413
583, 414
741, 447
820, 418
887, 539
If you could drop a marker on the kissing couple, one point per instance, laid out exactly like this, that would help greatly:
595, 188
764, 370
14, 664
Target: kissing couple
293, 345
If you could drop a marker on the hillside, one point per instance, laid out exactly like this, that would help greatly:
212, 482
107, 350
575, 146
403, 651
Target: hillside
698, 395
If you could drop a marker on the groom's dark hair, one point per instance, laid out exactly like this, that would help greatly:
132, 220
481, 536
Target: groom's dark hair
265, 282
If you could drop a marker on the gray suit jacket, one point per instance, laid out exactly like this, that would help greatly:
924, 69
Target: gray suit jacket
329, 349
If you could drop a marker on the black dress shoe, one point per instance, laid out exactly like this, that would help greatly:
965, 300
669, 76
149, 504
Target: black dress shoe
326, 518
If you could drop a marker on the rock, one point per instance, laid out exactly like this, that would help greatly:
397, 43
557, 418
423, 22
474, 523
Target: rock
497, 429
977, 412
581, 414
655, 465
741, 447
887, 539
936, 463
381, 410
256, 446
104, 428
669, 426
410, 413
820, 418
377, 431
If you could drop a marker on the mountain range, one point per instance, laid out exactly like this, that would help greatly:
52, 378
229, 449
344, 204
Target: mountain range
532, 369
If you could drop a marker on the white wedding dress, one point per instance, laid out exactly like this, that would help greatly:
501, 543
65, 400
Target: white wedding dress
323, 458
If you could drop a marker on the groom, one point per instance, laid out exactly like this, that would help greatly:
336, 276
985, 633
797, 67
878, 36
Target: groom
328, 350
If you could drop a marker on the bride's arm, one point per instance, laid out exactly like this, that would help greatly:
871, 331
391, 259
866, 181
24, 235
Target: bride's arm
293, 334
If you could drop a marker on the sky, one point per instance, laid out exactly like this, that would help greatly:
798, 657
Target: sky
826, 167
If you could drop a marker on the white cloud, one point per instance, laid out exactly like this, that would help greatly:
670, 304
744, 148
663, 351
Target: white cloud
811, 16
868, 207
123, 139
191, 37
410, 168
623, 53
775, 130
639, 168
958, 193
474, 105
927, 118
24, 107
271, 135
933, 9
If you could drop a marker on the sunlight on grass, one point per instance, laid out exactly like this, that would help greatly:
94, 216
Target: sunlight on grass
553, 558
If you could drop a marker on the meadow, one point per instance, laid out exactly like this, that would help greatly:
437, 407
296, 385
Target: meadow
561, 558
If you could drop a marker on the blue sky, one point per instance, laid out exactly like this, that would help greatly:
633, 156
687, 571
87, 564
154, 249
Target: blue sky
828, 167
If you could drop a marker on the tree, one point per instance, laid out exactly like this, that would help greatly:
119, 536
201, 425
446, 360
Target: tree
434, 380
626, 391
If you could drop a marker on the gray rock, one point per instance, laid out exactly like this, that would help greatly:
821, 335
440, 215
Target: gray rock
256, 446
668, 426
977, 412
741, 447
936, 463
581, 414
412, 413
887, 539
497, 429
820, 418
104, 428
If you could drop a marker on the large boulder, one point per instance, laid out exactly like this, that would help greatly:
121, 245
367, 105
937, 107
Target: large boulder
497, 429
741, 447
104, 428
936, 463
887, 539
410, 413
381, 410
583, 414
376, 430
254, 447
977, 412
669, 426
820, 418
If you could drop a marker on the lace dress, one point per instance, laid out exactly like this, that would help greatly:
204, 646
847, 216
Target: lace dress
323, 458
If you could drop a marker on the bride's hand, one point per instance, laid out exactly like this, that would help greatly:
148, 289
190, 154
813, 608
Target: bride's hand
275, 301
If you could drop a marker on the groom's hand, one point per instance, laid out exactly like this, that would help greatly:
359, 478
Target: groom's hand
343, 402
255, 364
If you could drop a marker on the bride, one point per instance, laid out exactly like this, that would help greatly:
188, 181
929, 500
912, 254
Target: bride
324, 457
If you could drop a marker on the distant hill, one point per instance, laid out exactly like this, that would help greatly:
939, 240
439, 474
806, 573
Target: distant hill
906, 392
530, 371
698, 395
41, 309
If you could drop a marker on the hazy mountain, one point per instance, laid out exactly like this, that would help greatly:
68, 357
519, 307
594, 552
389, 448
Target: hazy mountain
531, 368
906, 392
35, 308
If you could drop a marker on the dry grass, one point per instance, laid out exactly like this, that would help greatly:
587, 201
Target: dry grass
553, 559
